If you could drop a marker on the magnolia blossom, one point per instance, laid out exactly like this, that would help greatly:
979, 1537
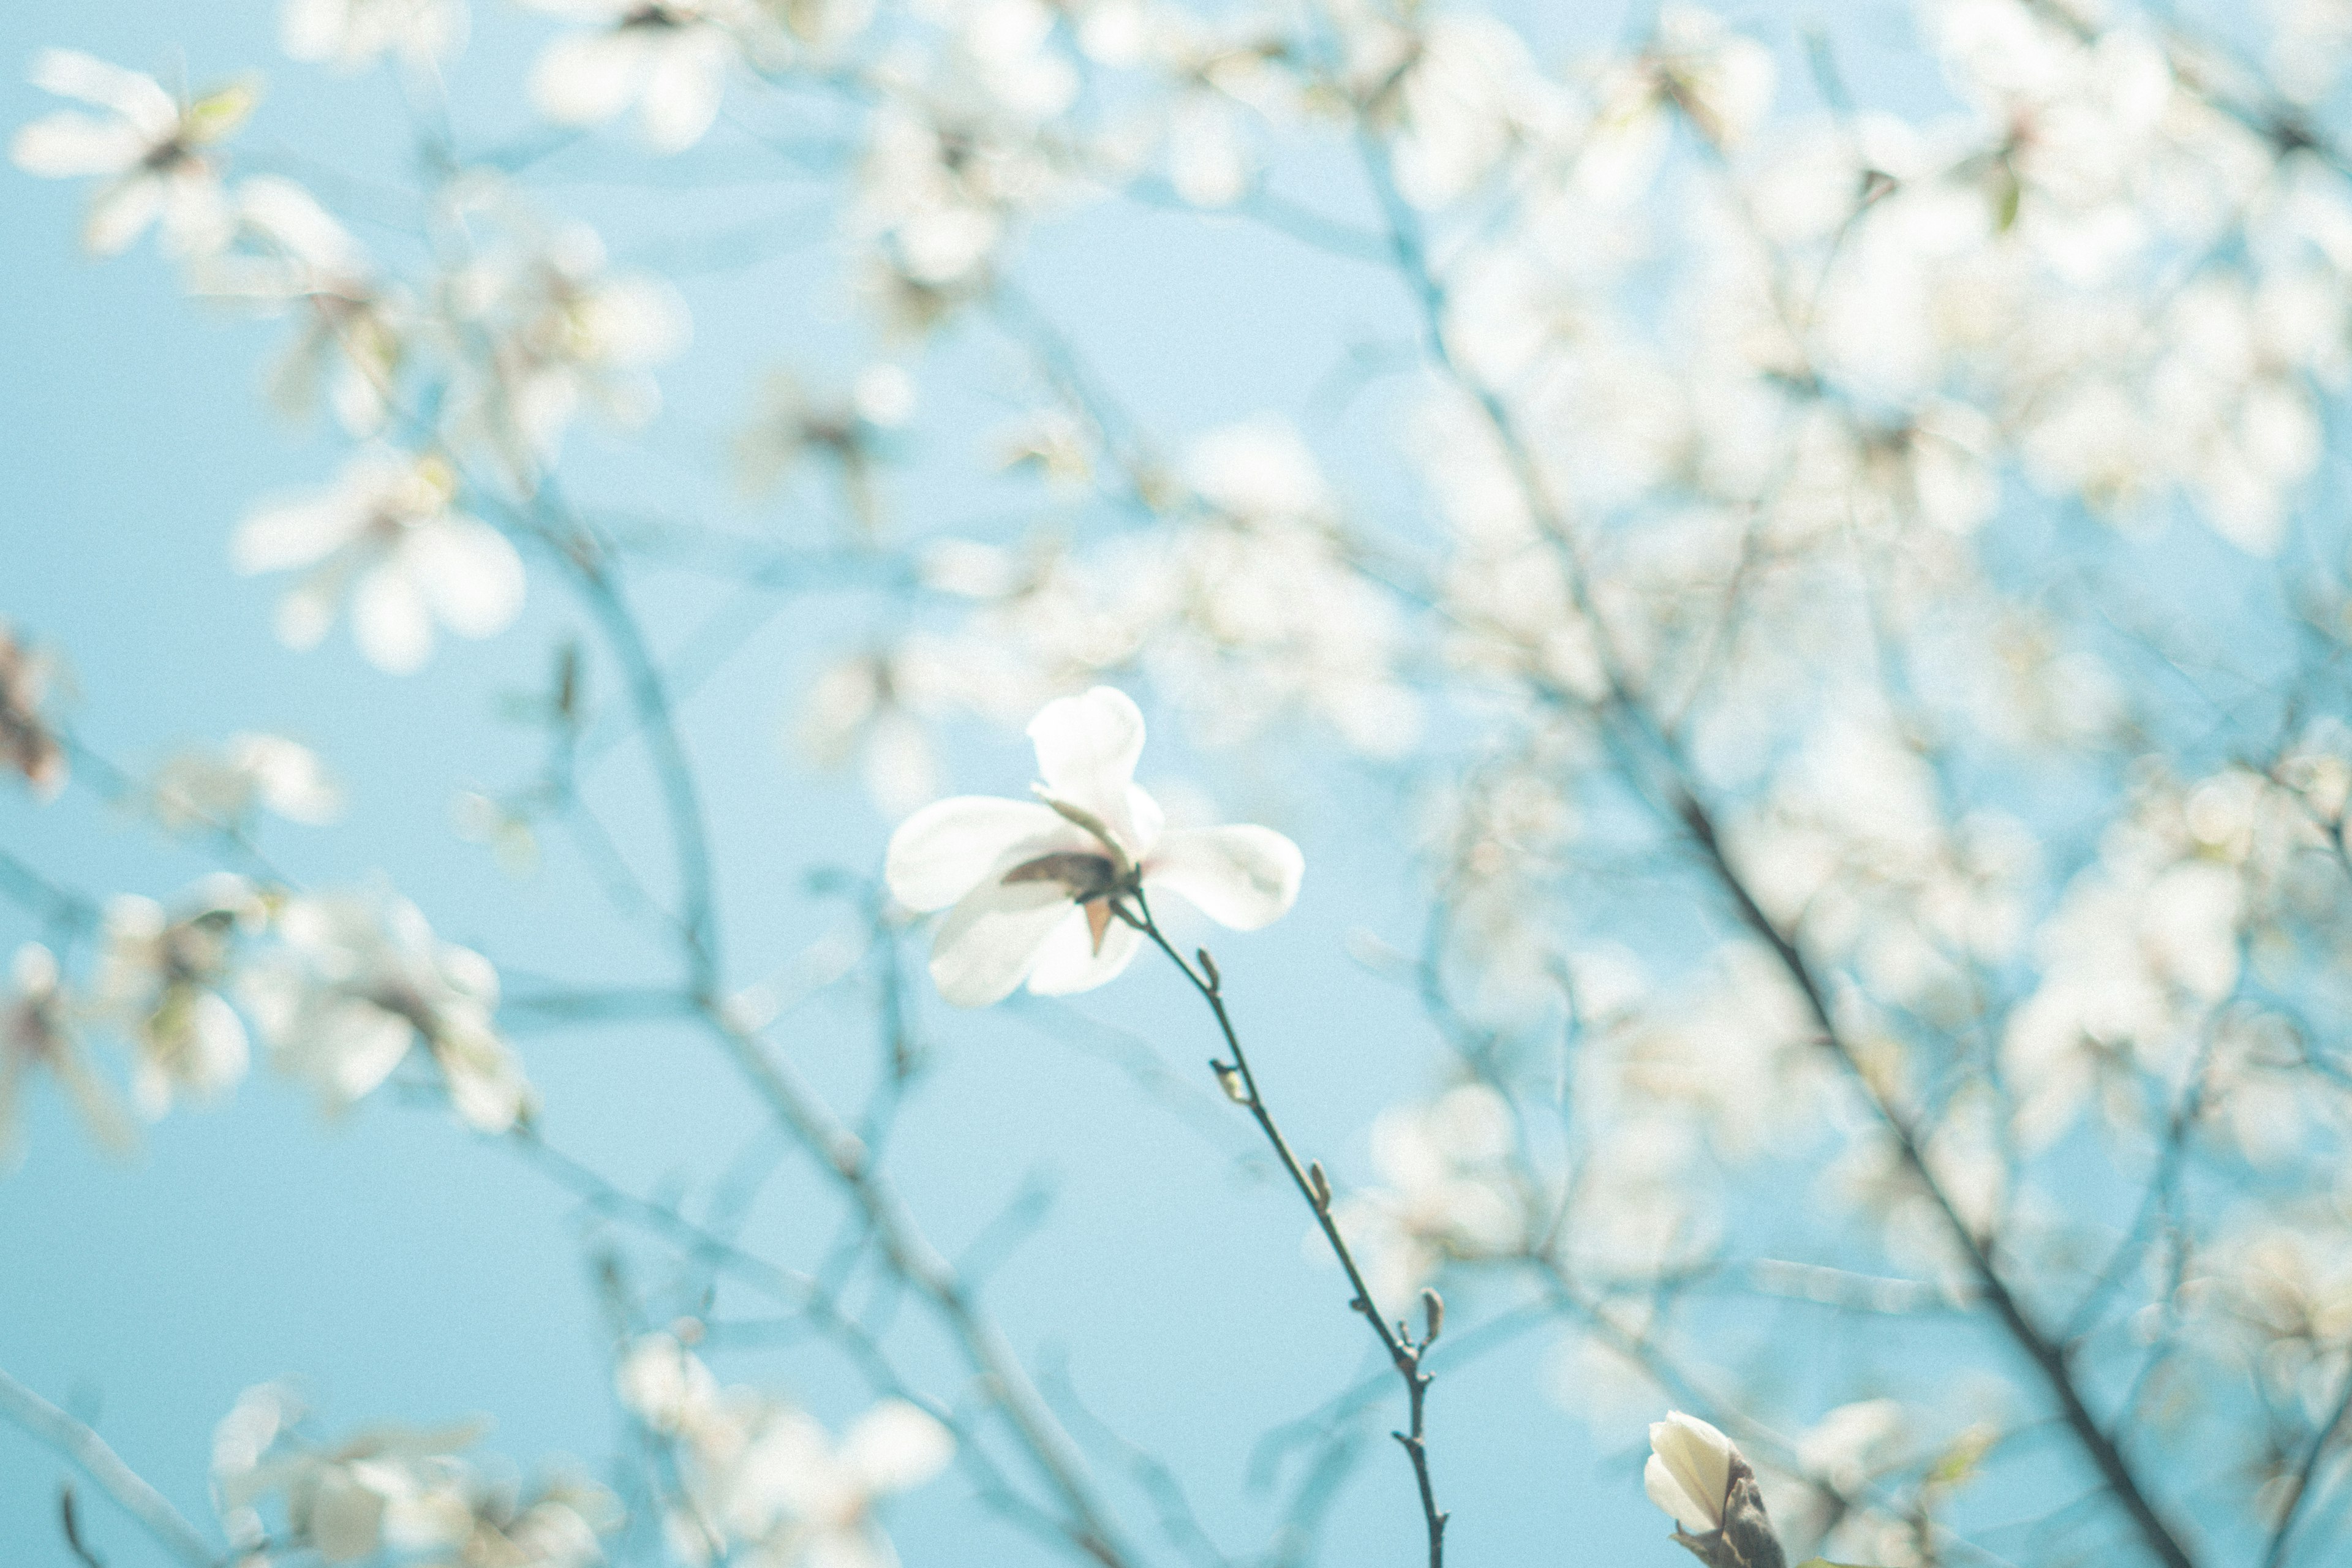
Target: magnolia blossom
1446, 1192
764, 1475
201, 789
293, 254
669, 59
27, 745
829, 1489
389, 531
407, 1491
560, 331
147, 146
1699, 1476
1039, 891
161, 980
349, 34
36, 1032
360, 980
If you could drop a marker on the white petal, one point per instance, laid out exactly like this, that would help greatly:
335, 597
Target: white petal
1087, 750
1241, 876
1689, 1472
121, 214
470, 572
63, 145
942, 851
197, 218
1068, 962
289, 536
990, 940
895, 1446
683, 89
849, 1546
389, 621
140, 100
588, 76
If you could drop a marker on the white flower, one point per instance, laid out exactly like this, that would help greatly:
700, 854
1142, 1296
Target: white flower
27, 746
360, 980
160, 980
35, 1032
558, 330
389, 532
1446, 1192
349, 34
827, 1491
669, 59
1689, 1472
198, 790
1033, 887
292, 253
147, 145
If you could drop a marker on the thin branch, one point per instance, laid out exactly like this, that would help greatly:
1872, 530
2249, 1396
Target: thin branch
1404, 1351
106, 1469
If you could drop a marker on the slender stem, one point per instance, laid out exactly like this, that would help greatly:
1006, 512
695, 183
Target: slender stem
2276, 1553
2048, 1357
105, 1468
1403, 1351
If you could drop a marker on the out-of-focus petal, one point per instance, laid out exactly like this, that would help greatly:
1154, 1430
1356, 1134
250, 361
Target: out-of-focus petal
121, 214
938, 855
1068, 964
1242, 877
683, 89
470, 572
391, 623
138, 98
896, 1445
990, 940
63, 145
289, 536
588, 78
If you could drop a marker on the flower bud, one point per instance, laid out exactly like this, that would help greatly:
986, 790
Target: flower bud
1231, 1082
1319, 1186
1432, 1315
1699, 1476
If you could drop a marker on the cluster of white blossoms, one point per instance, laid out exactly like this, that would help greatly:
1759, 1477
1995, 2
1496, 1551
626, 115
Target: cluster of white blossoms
286, 1495
1838, 598
342, 988
763, 1481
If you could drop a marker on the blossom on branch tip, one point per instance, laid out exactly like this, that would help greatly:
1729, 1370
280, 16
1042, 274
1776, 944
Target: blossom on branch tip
388, 531
1039, 891
1699, 1476
147, 145
27, 744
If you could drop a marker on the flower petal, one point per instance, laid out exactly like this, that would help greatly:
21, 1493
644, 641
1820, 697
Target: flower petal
939, 854
121, 214
390, 621
683, 89
1087, 750
588, 76
990, 940
471, 574
287, 536
1690, 1465
65, 144
1068, 962
896, 1445
1241, 876
138, 98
